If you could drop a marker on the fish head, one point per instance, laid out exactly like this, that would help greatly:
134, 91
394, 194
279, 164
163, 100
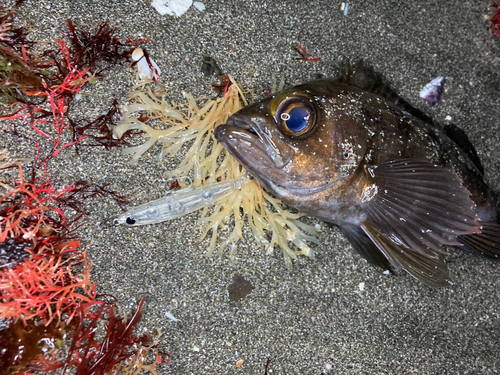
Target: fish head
298, 142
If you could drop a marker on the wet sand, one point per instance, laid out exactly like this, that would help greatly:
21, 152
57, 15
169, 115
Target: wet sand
313, 318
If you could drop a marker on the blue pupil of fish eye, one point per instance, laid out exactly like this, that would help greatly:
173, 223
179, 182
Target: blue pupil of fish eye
297, 119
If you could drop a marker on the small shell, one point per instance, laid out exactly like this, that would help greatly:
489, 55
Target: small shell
199, 6
431, 93
172, 7
146, 71
137, 54
239, 363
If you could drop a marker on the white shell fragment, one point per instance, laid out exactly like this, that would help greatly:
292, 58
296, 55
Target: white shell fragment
172, 7
146, 73
169, 315
345, 8
431, 93
199, 6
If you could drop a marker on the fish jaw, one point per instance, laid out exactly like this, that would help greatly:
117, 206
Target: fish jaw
264, 152
273, 141
251, 154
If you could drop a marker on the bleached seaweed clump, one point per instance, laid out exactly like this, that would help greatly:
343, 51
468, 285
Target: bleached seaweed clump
5, 162
208, 163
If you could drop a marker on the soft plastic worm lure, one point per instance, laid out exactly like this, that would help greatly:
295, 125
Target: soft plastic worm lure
179, 203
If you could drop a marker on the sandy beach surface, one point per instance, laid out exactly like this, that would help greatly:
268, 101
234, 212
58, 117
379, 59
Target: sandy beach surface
334, 314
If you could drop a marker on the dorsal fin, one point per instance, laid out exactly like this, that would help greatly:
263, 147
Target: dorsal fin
458, 136
364, 77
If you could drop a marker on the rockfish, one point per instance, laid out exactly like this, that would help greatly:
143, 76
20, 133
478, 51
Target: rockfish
351, 152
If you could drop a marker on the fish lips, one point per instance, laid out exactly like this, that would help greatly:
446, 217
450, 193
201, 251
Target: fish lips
243, 139
264, 152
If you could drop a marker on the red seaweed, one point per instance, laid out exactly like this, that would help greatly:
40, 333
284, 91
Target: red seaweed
70, 68
76, 194
301, 50
495, 19
174, 185
46, 286
14, 37
222, 85
90, 357
269, 360
100, 130
43, 274
90, 49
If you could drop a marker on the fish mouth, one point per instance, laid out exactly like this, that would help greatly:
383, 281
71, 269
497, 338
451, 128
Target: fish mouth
264, 152
273, 140
242, 141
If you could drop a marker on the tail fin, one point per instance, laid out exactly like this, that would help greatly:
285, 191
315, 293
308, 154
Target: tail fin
487, 242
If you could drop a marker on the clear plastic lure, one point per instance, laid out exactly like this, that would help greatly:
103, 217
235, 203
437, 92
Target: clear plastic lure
179, 203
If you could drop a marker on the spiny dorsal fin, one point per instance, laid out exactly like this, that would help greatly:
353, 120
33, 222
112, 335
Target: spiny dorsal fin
364, 77
458, 136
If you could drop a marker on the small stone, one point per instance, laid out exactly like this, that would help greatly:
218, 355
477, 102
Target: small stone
239, 289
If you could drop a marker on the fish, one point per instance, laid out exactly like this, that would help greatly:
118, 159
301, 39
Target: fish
353, 153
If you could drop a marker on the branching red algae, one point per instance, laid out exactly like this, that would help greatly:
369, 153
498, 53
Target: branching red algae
88, 356
301, 50
45, 285
90, 49
495, 19
44, 276
76, 194
54, 285
14, 37
100, 130
54, 78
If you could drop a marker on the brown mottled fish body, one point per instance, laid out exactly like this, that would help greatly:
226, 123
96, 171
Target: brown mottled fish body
398, 186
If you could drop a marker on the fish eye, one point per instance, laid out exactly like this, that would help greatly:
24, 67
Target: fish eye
130, 221
295, 115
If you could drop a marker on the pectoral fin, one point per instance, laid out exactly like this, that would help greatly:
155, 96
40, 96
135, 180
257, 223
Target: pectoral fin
430, 271
418, 206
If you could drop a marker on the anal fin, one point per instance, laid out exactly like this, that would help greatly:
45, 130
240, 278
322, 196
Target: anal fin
430, 271
364, 246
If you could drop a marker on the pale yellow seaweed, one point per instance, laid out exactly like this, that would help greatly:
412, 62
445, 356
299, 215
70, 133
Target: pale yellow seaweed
207, 161
5, 162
